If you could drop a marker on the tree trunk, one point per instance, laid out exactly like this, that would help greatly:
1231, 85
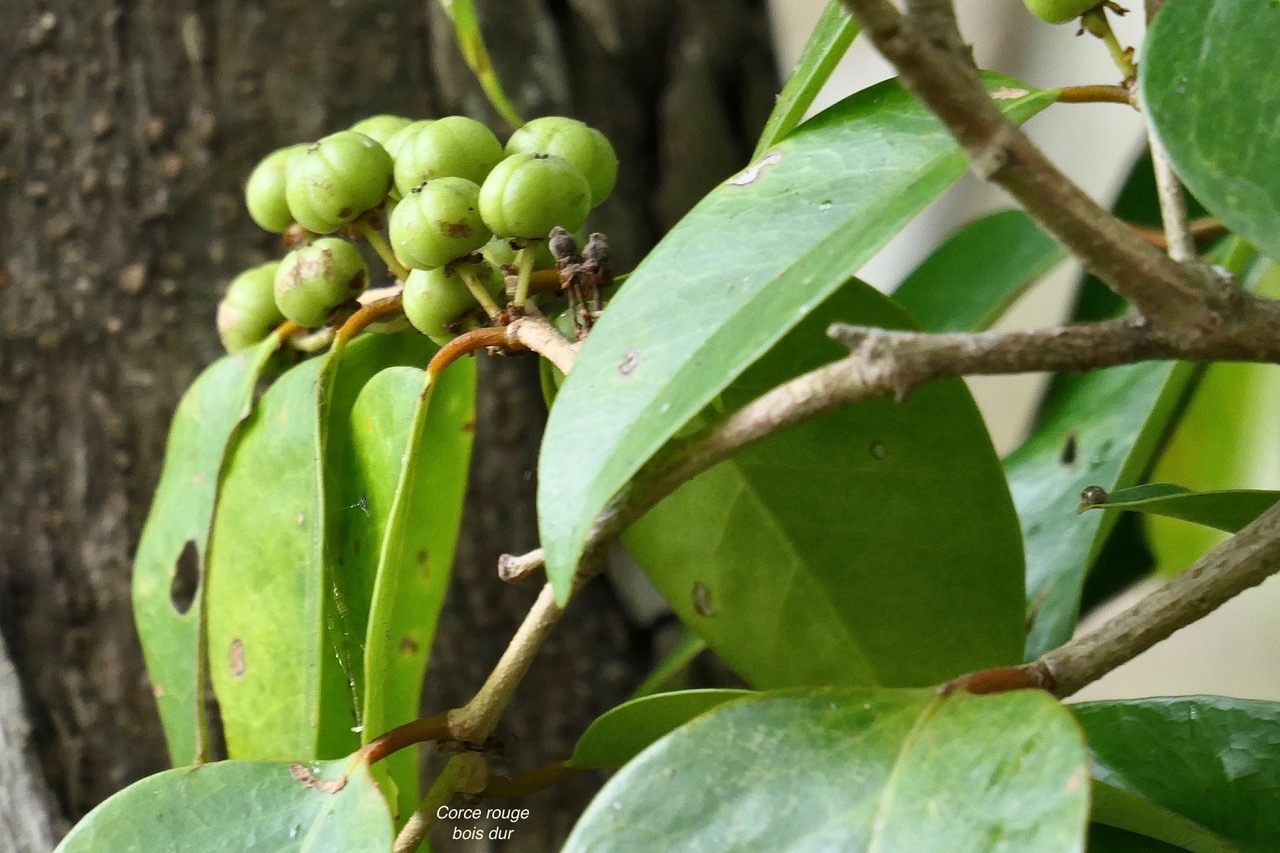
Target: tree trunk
126, 132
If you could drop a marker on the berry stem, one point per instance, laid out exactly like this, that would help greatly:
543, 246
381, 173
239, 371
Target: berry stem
524, 267
1096, 22
383, 248
468, 275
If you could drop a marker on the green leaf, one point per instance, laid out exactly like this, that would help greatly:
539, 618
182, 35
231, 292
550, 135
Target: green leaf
972, 279
471, 43
1211, 89
180, 518
1123, 810
879, 770
746, 265
621, 733
1212, 760
1227, 510
1108, 839
823, 537
831, 37
285, 623
234, 806
674, 664
412, 450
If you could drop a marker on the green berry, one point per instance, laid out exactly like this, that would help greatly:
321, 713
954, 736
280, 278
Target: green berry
526, 195
397, 140
336, 179
580, 144
437, 222
1059, 11
380, 128
315, 279
453, 147
436, 299
264, 193
248, 313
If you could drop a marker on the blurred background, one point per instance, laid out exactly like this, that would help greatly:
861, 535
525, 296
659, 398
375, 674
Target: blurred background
126, 132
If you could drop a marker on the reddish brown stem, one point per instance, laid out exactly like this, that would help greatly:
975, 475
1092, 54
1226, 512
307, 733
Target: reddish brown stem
388, 306
419, 731
1095, 94
288, 329
464, 344
1030, 676
528, 783
1203, 230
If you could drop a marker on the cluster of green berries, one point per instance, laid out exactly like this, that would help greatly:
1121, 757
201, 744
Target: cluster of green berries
457, 199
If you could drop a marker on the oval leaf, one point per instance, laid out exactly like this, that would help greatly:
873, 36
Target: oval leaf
1211, 88
1226, 754
1122, 810
232, 806
972, 279
745, 266
822, 537
1228, 510
411, 455
179, 520
853, 770
619, 734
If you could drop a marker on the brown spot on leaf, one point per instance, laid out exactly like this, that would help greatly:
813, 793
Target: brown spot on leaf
630, 362
422, 556
408, 645
235, 657
157, 691
469, 427
309, 779
453, 229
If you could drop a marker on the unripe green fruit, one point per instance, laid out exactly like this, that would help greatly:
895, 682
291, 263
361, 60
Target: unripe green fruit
248, 313
337, 179
396, 141
500, 252
264, 193
315, 279
526, 195
436, 298
1059, 11
453, 147
381, 128
580, 144
437, 222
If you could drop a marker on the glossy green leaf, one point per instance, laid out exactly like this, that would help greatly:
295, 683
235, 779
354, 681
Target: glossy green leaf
972, 279
1132, 813
621, 733
749, 262
1212, 760
1227, 510
823, 537
673, 665
471, 43
1108, 839
882, 770
1211, 88
412, 452
180, 518
285, 625
831, 37
237, 806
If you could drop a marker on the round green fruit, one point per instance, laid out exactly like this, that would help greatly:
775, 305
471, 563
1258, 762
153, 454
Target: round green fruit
397, 140
453, 147
248, 313
437, 222
381, 128
436, 299
526, 195
264, 193
580, 144
313, 280
337, 179
1059, 11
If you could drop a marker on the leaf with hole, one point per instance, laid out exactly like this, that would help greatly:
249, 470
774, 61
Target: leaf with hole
167, 584
322, 807
1211, 760
822, 537
751, 260
972, 279
834, 31
1211, 88
621, 733
411, 448
285, 623
853, 770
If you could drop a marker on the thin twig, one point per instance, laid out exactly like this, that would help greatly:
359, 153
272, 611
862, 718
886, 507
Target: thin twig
464, 344
517, 569
373, 234
535, 333
1203, 230
439, 794
1241, 562
1095, 94
414, 732
946, 82
531, 782
387, 306
1173, 205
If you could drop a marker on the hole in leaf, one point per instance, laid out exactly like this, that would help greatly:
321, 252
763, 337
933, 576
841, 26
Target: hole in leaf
186, 579
1070, 449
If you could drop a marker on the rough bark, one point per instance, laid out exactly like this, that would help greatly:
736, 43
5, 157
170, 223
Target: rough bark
126, 130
